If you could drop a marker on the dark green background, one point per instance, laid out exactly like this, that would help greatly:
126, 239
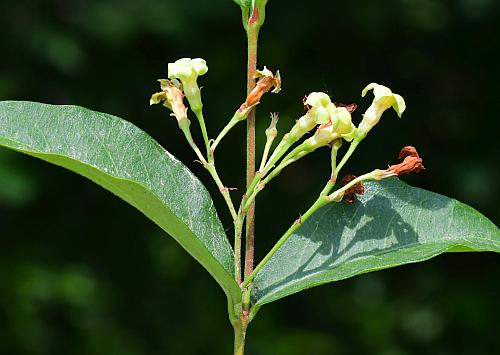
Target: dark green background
83, 273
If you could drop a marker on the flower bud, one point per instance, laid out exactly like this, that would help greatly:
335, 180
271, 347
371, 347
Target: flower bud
271, 131
383, 100
172, 98
187, 71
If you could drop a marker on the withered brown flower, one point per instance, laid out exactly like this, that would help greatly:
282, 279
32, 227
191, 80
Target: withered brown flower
411, 162
267, 80
350, 194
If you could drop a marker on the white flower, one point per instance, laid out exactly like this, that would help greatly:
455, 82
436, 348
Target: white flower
187, 71
320, 107
339, 126
383, 100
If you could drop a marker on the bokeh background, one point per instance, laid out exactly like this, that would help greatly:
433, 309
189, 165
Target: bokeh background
83, 273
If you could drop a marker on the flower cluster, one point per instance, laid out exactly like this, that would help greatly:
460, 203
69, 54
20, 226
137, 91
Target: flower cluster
324, 123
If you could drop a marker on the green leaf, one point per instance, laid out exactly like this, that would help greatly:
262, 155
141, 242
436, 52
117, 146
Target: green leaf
392, 224
244, 3
126, 161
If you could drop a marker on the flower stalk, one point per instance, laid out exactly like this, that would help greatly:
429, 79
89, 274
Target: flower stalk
253, 28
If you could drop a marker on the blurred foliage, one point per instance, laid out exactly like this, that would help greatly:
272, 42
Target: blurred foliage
83, 273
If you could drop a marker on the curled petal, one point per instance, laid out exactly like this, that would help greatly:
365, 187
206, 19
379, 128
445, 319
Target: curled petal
385, 98
172, 98
158, 97
317, 99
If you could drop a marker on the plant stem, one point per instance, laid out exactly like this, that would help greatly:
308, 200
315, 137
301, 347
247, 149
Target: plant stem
237, 117
223, 190
336, 168
320, 202
199, 115
184, 126
238, 228
240, 330
284, 163
267, 148
252, 39
279, 151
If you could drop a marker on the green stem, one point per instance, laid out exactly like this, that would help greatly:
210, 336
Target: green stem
199, 115
238, 229
239, 338
278, 152
320, 202
374, 175
336, 168
281, 149
267, 148
252, 40
223, 190
237, 117
184, 126
289, 159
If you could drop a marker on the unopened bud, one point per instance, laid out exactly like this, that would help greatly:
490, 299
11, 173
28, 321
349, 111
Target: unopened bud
271, 131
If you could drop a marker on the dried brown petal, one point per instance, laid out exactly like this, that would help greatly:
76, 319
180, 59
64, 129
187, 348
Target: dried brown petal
408, 151
172, 98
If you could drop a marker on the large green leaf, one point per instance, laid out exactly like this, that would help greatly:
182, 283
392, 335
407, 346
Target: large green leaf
126, 161
392, 224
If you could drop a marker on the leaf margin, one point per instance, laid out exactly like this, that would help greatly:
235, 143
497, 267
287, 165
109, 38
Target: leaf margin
260, 300
219, 272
